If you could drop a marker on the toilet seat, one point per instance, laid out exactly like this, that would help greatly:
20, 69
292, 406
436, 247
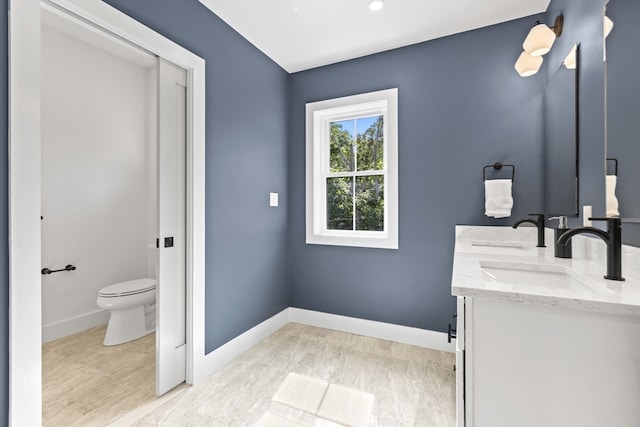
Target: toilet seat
131, 287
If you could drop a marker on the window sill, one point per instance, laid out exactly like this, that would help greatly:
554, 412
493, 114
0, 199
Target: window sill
373, 242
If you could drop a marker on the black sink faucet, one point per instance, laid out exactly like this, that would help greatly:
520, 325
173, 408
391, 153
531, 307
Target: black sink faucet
613, 239
560, 250
539, 223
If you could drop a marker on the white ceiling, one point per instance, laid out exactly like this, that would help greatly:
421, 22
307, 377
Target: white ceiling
303, 34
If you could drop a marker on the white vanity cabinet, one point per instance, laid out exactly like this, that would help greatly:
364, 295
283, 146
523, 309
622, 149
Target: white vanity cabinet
521, 364
460, 365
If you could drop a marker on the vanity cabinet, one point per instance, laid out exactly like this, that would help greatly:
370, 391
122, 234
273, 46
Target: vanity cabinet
521, 364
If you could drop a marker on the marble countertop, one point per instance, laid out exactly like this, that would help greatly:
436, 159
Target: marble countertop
581, 285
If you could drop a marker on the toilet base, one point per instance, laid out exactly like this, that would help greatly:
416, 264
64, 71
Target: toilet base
126, 325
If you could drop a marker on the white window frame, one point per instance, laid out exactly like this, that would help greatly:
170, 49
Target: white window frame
319, 115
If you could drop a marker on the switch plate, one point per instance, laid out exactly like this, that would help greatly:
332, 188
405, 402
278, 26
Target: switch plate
273, 199
586, 214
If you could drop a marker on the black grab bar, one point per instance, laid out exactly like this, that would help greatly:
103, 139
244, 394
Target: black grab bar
49, 271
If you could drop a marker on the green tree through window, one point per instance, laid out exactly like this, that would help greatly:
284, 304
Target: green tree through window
355, 183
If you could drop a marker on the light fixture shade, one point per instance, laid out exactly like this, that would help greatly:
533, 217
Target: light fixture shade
528, 65
376, 5
570, 60
608, 25
539, 40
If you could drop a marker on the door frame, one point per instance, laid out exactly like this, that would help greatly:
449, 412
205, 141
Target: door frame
25, 334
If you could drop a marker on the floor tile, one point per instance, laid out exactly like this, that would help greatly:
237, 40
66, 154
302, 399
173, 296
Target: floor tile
412, 386
87, 384
301, 392
272, 420
347, 406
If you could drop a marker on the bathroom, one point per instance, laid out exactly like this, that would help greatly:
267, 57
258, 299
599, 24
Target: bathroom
256, 257
99, 215
98, 176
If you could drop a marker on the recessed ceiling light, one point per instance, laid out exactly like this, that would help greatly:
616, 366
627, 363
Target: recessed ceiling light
376, 5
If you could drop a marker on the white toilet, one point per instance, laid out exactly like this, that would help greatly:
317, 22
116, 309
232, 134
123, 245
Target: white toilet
133, 310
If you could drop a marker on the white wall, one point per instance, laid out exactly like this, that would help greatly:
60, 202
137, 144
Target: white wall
152, 200
96, 191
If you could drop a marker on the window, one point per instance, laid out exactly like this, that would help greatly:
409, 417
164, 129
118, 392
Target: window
352, 173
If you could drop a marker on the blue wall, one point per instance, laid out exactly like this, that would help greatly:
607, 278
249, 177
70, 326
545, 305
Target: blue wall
246, 108
623, 108
461, 106
246, 149
246, 134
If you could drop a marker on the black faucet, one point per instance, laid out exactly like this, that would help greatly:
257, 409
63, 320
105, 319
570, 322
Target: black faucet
539, 223
560, 250
613, 239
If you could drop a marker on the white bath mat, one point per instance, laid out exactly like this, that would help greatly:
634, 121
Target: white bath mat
347, 406
301, 392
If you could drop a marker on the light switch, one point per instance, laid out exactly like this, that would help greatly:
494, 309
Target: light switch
273, 199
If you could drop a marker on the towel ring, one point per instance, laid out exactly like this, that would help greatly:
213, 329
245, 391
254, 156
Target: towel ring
497, 166
615, 165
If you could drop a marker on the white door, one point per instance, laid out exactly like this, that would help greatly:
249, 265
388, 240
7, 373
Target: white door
171, 287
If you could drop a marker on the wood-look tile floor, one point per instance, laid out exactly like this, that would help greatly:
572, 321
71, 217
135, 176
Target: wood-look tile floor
411, 386
87, 384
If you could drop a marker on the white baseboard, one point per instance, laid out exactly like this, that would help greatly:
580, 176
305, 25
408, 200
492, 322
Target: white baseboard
234, 348
73, 325
386, 331
370, 328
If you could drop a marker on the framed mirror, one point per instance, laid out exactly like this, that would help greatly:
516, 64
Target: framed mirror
561, 138
622, 106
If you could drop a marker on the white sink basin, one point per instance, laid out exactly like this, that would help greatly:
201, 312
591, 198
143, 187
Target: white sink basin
531, 275
499, 244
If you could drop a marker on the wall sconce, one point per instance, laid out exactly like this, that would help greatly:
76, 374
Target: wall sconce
608, 26
528, 65
541, 37
538, 42
570, 60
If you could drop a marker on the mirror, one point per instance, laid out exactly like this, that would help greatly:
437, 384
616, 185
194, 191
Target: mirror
561, 139
623, 105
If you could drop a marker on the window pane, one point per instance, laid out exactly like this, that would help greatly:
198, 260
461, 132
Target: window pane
370, 142
340, 203
370, 203
341, 146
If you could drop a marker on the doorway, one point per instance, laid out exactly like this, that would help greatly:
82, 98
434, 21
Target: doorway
25, 190
98, 172
113, 181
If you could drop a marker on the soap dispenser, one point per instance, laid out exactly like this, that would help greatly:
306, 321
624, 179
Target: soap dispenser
560, 250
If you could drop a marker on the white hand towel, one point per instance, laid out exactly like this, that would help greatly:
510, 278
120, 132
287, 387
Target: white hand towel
498, 199
612, 200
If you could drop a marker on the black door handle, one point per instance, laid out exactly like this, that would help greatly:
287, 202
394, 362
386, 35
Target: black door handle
168, 242
452, 333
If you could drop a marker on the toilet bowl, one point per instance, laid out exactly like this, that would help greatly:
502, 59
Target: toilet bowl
132, 305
